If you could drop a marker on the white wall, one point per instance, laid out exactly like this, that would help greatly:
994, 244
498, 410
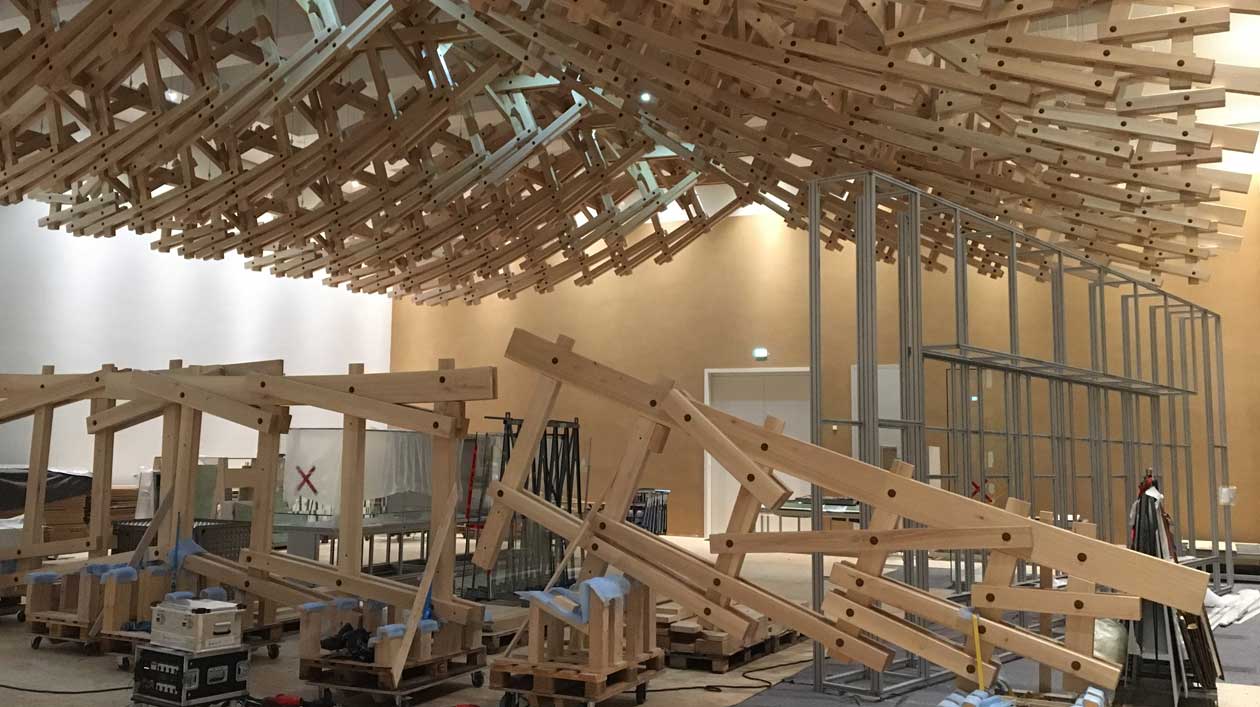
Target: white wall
79, 302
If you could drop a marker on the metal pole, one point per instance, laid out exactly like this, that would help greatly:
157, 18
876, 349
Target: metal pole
867, 349
1226, 510
1210, 430
815, 406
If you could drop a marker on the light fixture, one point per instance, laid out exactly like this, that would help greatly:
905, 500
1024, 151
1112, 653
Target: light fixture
645, 97
761, 353
354, 185
975, 398
174, 96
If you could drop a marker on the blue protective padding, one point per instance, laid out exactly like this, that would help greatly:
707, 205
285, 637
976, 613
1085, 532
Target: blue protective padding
996, 701
953, 700
182, 549
311, 606
215, 593
177, 596
400, 630
42, 578
96, 570
606, 588
965, 612
122, 574
158, 569
346, 603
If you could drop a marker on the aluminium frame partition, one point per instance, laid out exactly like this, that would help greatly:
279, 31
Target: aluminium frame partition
1142, 392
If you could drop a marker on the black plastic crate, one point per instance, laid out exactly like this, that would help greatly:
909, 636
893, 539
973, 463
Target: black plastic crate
225, 538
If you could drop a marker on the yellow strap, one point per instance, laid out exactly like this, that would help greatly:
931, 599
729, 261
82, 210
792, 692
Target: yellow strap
975, 641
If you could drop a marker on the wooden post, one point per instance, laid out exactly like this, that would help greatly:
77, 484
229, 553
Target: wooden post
100, 526
267, 463
1079, 631
1045, 627
37, 477
349, 558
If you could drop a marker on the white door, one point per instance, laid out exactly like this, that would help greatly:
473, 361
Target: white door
752, 395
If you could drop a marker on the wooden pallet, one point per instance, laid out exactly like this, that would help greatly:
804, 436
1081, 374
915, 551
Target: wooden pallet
351, 675
560, 681
722, 662
57, 627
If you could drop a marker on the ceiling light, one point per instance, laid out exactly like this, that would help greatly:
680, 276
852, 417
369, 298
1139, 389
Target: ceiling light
354, 184
761, 353
174, 96
645, 97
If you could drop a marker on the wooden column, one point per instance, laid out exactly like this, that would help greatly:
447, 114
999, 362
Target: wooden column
349, 558
185, 481
100, 527
37, 477
168, 529
267, 464
444, 477
1078, 635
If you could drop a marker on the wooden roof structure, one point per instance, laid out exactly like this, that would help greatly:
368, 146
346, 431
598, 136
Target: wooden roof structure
449, 151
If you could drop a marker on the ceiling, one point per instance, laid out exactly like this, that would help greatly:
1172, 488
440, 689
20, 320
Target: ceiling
442, 151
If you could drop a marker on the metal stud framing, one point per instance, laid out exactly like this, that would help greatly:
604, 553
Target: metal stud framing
1083, 431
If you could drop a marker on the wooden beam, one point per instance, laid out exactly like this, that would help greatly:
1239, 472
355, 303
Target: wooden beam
852, 542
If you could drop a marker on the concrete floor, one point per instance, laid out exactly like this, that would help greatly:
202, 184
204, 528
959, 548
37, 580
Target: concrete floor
66, 667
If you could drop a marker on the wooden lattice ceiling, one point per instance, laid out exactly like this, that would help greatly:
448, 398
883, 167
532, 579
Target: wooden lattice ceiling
444, 151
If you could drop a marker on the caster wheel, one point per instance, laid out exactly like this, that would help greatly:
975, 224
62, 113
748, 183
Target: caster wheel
478, 679
124, 662
640, 694
21, 616
35, 642
273, 651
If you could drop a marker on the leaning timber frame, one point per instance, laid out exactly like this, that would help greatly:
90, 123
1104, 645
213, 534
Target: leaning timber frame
259, 396
444, 150
848, 620
1064, 417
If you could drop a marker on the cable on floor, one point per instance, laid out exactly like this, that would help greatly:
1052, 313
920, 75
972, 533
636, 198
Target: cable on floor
762, 682
64, 692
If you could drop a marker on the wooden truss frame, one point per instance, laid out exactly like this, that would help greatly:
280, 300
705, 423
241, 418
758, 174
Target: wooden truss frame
259, 396
442, 150
863, 610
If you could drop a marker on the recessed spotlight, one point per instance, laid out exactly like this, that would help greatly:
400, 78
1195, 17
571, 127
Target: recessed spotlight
761, 353
645, 97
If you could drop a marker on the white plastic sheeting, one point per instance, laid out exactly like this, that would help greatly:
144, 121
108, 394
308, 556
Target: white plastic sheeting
1231, 608
396, 461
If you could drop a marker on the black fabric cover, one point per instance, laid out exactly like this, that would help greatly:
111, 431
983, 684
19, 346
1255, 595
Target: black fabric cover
60, 486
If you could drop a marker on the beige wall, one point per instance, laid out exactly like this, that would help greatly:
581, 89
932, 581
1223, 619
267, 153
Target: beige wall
744, 285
